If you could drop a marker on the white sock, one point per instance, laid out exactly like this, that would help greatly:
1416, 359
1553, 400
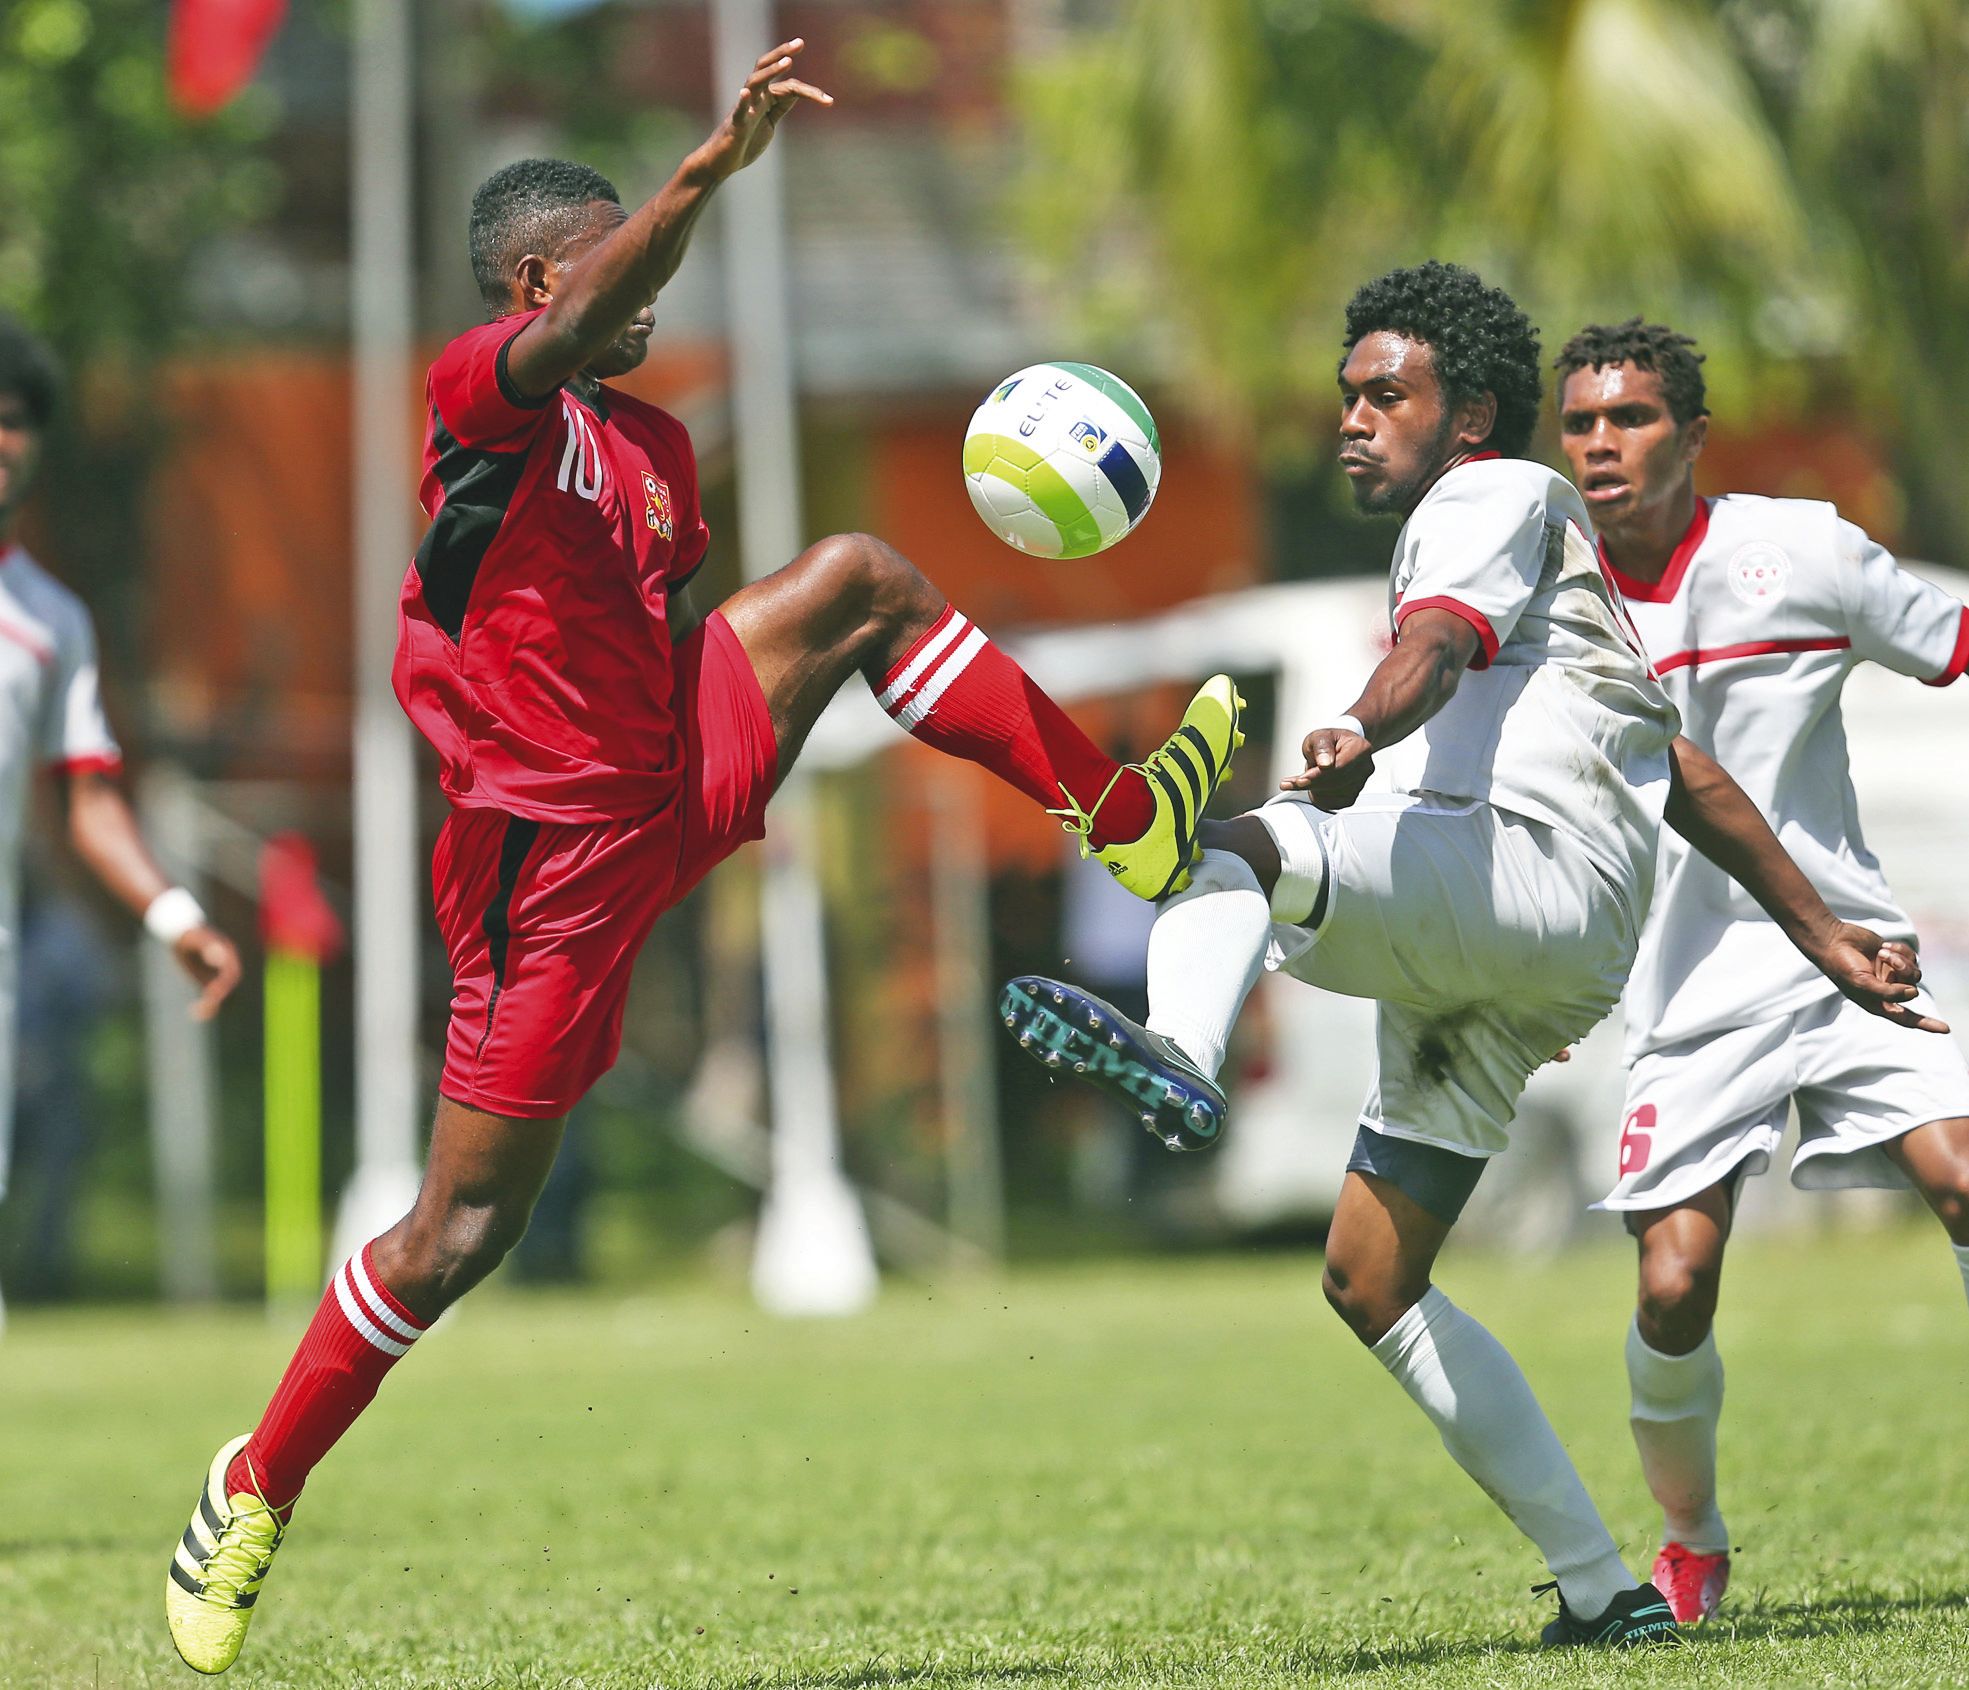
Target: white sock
1962, 1261
1465, 1381
1206, 951
1677, 1401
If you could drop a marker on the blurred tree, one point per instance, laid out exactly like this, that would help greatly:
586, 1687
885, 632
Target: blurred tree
106, 194
1598, 155
1209, 133
1610, 152
105, 197
1787, 178
1875, 99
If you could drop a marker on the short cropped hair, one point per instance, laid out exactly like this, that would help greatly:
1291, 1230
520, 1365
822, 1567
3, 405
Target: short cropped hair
28, 371
531, 205
1647, 346
1483, 343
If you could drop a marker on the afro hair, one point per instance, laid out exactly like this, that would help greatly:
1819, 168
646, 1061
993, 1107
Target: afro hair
28, 371
531, 205
1647, 346
1482, 342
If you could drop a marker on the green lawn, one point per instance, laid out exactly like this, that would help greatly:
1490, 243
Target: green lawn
1177, 1473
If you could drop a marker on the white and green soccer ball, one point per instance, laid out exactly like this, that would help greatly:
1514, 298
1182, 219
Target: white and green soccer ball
1062, 460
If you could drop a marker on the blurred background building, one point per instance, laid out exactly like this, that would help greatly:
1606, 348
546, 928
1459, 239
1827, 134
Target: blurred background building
1186, 190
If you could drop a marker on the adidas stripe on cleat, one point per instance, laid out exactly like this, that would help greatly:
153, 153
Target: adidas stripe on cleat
1068, 1031
1635, 1619
1182, 774
218, 1569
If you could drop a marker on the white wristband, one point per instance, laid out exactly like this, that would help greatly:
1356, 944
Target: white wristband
1349, 724
171, 915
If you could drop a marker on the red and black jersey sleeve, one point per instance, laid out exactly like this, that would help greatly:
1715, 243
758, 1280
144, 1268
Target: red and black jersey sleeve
472, 393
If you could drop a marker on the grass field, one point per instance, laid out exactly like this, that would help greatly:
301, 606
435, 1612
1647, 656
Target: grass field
1178, 1473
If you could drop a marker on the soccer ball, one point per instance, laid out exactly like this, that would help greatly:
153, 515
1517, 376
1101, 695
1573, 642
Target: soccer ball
1062, 460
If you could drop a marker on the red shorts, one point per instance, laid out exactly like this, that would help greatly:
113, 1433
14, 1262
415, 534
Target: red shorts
544, 920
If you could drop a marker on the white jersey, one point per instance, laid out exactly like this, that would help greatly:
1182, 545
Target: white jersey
51, 709
51, 716
1764, 609
1560, 719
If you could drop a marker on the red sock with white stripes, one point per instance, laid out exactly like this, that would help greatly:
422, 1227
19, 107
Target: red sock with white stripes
354, 1339
957, 691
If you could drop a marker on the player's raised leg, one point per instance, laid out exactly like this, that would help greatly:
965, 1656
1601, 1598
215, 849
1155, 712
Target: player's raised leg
854, 605
480, 1182
1675, 1381
1206, 951
1388, 1227
1936, 1158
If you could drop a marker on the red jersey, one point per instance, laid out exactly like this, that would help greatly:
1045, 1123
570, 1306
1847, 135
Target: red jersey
533, 646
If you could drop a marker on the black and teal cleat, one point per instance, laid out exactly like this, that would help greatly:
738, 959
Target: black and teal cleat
1069, 1031
1636, 1619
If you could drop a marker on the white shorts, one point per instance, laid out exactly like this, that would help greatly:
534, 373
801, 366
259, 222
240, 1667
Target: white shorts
1702, 1110
1491, 943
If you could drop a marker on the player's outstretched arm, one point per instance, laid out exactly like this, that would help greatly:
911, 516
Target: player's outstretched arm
1408, 686
103, 829
601, 294
1716, 816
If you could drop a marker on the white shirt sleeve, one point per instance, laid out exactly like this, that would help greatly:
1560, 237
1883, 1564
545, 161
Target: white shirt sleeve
1897, 619
75, 735
1478, 544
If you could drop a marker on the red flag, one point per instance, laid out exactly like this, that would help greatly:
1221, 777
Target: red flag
294, 915
215, 47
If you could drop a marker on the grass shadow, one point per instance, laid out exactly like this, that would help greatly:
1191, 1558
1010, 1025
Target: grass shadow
1844, 1614
1291, 1661
1848, 1613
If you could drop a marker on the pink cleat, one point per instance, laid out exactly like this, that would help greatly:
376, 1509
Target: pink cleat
1693, 1583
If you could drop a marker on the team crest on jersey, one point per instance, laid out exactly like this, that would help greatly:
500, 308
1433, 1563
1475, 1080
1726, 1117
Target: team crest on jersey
656, 505
1760, 573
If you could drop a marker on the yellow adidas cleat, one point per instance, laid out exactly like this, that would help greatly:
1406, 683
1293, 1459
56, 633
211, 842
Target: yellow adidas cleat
219, 1568
1182, 775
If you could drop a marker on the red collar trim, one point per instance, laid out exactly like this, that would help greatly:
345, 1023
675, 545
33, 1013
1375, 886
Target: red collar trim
1660, 592
1456, 464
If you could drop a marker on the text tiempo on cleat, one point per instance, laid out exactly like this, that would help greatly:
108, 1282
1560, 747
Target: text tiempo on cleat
219, 1568
1182, 775
1059, 1024
1635, 1619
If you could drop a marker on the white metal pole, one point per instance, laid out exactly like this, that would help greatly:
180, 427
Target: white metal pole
960, 894
813, 1255
178, 1052
383, 301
